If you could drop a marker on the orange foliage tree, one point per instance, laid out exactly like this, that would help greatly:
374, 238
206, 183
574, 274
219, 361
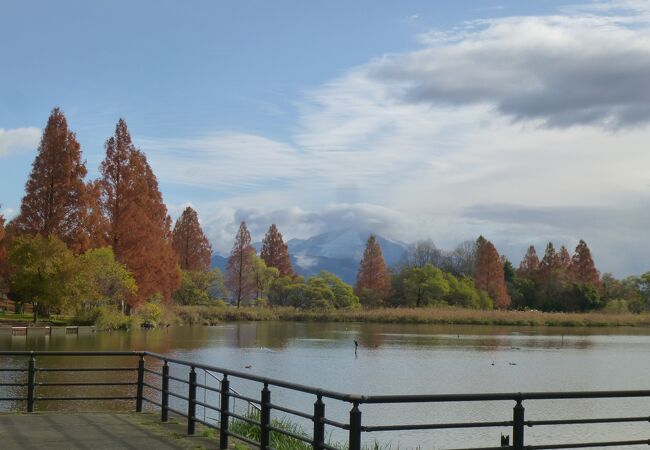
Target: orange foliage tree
529, 264
275, 252
138, 227
564, 259
488, 275
55, 201
239, 279
583, 268
373, 279
191, 245
2, 247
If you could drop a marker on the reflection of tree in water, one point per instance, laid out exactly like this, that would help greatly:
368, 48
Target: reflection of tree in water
368, 337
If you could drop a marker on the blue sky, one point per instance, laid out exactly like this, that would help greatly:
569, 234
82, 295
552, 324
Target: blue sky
522, 121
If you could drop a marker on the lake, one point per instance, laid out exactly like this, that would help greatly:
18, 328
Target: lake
414, 359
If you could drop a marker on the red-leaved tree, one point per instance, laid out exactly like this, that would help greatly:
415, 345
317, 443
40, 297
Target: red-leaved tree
239, 279
139, 229
373, 279
55, 201
529, 264
275, 252
488, 275
191, 245
583, 268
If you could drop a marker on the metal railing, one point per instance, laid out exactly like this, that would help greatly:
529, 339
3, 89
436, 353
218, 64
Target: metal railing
154, 383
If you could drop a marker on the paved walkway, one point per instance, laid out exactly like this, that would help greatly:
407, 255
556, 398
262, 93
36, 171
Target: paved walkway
96, 431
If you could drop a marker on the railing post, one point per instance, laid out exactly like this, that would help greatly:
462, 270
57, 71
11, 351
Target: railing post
225, 404
319, 425
518, 426
355, 428
191, 403
265, 418
31, 375
140, 389
164, 412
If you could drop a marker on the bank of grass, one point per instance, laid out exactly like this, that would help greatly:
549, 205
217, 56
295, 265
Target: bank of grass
10, 318
211, 315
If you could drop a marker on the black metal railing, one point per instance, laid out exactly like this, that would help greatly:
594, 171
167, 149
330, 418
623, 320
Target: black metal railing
156, 384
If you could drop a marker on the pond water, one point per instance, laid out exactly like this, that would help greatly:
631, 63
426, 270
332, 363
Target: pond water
414, 359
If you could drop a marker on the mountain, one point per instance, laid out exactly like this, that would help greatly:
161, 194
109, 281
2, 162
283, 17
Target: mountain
338, 251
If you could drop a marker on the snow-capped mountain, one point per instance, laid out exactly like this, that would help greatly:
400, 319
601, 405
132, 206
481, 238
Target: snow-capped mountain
338, 251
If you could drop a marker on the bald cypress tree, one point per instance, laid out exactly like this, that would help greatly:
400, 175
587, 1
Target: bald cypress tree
138, 227
564, 260
239, 272
275, 252
191, 245
583, 268
529, 264
55, 201
2, 249
373, 279
489, 275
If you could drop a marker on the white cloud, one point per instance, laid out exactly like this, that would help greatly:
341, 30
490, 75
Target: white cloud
18, 140
524, 129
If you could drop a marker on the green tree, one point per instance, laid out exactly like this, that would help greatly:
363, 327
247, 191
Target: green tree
424, 286
45, 272
281, 288
200, 288
262, 277
102, 279
344, 296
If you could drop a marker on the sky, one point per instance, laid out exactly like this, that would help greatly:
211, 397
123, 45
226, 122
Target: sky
526, 122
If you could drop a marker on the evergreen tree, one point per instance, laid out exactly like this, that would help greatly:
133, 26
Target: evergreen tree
488, 275
191, 245
530, 264
275, 252
239, 272
138, 224
583, 267
55, 201
373, 280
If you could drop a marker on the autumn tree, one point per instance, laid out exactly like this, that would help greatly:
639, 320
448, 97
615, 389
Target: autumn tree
488, 274
138, 227
3, 262
275, 252
55, 201
373, 280
191, 245
583, 268
529, 265
564, 260
239, 278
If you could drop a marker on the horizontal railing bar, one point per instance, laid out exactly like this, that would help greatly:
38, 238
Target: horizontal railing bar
532, 423
89, 383
175, 411
330, 447
244, 418
207, 424
155, 388
437, 426
13, 384
291, 411
244, 438
248, 376
178, 379
87, 369
589, 444
208, 388
243, 397
153, 372
483, 448
173, 394
343, 426
11, 399
13, 369
206, 405
83, 398
290, 434
153, 402
72, 353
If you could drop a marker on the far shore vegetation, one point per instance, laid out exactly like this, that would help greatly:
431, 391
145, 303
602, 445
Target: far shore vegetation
104, 252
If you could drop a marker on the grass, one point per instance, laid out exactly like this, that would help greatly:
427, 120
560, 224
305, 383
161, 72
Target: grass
281, 441
211, 315
13, 319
